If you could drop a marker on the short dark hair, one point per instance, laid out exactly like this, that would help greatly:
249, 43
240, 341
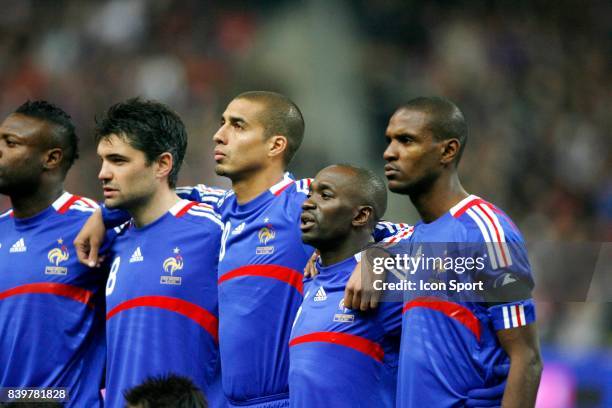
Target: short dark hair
446, 119
148, 126
281, 116
370, 190
166, 391
63, 135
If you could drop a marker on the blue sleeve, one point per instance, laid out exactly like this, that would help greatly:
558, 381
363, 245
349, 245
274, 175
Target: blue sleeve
385, 229
202, 193
511, 315
504, 267
114, 218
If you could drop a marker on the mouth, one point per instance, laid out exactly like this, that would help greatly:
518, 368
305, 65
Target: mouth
219, 155
110, 192
391, 171
307, 221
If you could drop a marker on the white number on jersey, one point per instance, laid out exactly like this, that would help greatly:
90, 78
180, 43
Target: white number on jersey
112, 277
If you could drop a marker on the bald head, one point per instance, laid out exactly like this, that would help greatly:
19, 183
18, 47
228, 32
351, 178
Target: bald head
279, 116
366, 189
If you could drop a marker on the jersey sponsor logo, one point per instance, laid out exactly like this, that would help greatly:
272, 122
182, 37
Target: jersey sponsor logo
136, 256
320, 296
56, 256
171, 265
345, 314
18, 246
265, 235
238, 229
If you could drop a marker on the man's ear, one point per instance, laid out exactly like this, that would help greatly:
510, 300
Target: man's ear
450, 151
277, 145
165, 163
363, 215
53, 158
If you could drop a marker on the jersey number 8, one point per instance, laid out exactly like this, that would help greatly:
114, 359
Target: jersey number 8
112, 276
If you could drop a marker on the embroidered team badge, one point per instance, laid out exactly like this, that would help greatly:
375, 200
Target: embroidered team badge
265, 235
344, 314
56, 256
170, 266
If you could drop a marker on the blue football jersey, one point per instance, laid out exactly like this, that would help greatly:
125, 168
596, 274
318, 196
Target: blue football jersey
260, 289
51, 306
340, 357
449, 344
261, 264
161, 295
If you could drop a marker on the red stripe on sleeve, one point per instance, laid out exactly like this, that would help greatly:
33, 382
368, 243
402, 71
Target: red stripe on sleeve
518, 316
59, 289
68, 203
455, 311
358, 343
201, 316
281, 273
283, 189
498, 243
185, 209
467, 206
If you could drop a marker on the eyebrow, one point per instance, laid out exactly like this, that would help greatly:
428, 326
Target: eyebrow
237, 119
9, 133
113, 156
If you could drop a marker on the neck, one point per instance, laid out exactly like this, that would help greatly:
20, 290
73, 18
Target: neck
251, 186
154, 207
33, 202
439, 198
346, 248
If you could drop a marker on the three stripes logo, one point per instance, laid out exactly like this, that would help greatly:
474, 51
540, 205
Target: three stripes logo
514, 316
136, 256
320, 295
19, 246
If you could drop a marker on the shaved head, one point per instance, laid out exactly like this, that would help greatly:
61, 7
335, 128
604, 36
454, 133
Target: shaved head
445, 119
279, 116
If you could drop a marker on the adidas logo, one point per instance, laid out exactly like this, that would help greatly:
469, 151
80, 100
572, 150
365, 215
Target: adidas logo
238, 229
320, 295
19, 246
136, 256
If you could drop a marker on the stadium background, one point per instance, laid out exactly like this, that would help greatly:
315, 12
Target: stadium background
533, 79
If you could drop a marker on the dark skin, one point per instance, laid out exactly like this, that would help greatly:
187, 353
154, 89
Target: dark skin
31, 171
420, 166
332, 219
425, 169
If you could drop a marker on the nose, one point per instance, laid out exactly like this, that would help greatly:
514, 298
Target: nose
105, 173
308, 204
219, 137
390, 153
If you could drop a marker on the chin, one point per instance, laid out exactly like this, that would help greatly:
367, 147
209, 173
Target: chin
397, 187
309, 239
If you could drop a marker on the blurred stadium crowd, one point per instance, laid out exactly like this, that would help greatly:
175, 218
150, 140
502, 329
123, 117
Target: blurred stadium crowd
533, 78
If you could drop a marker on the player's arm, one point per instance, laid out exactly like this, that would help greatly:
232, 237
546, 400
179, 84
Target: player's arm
522, 345
91, 236
359, 293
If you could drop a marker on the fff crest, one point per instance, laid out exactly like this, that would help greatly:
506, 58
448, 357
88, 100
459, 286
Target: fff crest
265, 235
171, 265
56, 256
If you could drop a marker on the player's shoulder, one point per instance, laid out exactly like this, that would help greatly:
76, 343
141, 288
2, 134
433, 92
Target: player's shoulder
72, 205
201, 214
6, 216
202, 193
483, 221
394, 233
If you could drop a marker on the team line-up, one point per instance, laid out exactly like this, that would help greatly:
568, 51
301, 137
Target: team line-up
256, 294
